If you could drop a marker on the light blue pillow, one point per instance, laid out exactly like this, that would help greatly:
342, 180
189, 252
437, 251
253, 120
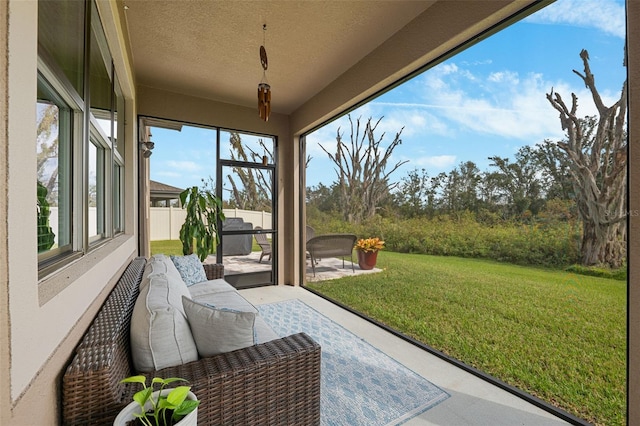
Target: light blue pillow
190, 268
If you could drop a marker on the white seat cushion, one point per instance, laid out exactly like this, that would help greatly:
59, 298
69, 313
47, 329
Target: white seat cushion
209, 287
160, 333
220, 294
159, 264
226, 299
263, 332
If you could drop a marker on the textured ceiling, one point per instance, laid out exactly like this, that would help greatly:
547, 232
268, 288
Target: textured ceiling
210, 48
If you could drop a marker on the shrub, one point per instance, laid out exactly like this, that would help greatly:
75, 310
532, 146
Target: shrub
602, 272
550, 244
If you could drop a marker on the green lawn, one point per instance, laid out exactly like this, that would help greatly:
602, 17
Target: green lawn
554, 334
167, 247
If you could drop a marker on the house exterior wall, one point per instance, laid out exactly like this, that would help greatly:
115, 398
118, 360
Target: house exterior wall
42, 320
5, 349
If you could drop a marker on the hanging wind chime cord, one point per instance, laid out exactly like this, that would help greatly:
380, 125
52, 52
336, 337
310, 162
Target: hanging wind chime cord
264, 89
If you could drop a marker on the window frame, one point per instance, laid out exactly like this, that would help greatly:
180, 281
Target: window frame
84, 132
56, 81
65, 146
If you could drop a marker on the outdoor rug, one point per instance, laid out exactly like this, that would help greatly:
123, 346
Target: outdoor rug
360, 385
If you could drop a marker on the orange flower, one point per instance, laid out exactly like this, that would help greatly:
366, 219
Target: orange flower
369, 244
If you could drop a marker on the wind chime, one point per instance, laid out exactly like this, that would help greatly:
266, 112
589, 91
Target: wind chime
264, 90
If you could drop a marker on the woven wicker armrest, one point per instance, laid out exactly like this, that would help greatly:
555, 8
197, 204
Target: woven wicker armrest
213, 270
274, 383
91, 389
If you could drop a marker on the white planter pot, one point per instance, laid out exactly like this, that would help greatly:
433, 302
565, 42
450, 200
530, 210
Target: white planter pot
127, 413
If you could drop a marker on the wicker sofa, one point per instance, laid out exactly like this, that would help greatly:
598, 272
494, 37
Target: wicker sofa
273, 383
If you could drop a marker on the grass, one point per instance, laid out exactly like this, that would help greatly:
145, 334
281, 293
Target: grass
558, 335
555, 334
167, 247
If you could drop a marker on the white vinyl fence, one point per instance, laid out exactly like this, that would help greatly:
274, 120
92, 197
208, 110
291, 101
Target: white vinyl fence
53, 221
165, 222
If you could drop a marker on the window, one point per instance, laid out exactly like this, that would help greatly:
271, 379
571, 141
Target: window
80, 166
96, 190
54, 157
61, 35
118, 159
118, 194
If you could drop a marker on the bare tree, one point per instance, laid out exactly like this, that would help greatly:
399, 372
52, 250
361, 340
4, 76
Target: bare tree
253, 191
598, 167
363, 178
47, 150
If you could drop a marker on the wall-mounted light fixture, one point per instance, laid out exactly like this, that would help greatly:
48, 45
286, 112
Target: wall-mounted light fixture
146, 148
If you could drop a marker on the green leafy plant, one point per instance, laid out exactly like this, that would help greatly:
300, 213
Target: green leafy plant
46, 237
176, 401
199, 233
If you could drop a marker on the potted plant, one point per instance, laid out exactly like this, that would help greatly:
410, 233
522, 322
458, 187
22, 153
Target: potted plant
367, 249
164, 407
199, 233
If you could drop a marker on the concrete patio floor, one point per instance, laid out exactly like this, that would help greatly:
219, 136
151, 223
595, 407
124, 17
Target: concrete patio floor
326, 269
473, 401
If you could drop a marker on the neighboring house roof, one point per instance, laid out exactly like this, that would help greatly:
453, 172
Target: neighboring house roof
161, 191
163, 188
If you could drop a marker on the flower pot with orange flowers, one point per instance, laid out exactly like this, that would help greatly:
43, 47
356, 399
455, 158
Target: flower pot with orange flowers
367, 249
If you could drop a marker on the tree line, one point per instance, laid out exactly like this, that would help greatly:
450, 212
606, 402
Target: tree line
582, 177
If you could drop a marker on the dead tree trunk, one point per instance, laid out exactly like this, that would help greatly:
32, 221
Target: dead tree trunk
598, 165
253, 191
363, 178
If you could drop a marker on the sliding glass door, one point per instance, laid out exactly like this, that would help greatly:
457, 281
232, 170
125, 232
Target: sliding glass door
240, 167
246, 184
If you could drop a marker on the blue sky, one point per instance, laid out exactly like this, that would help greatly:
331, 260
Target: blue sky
487, 100
490, 99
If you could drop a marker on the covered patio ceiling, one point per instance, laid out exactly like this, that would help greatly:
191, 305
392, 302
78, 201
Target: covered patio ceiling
210, 49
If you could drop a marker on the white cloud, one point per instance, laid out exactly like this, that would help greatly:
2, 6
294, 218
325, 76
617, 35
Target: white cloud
184, 166
607, 16
436, 161
504, 77
168, 174
503, 103
475, 63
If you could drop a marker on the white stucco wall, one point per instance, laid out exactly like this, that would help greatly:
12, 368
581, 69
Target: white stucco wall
29, 348
42, 313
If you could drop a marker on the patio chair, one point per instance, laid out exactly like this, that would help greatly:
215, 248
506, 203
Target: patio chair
264, 244
310, 232
331, 245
